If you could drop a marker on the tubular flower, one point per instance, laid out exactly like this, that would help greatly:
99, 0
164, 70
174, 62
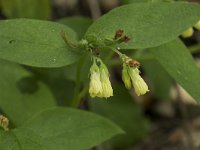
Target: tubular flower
188, 33
95, 88
125, 77
106, 85
139, 84
197, 25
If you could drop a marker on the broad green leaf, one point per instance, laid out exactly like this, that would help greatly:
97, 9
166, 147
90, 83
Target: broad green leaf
147, 24
8, 141
64, 129
161, 82
37, 9
78, 24
55, 79
178, 62
71, 70
36, 43
123, 111
17, 97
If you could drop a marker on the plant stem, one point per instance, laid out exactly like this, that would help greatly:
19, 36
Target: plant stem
192, 49
195, 48
116, 51
83, 92
76, 99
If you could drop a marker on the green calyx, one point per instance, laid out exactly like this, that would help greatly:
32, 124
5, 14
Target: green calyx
94, 67
125, 77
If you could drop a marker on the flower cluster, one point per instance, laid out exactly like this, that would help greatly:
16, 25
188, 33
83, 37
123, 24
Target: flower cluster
100, 85
131, 74
189, 32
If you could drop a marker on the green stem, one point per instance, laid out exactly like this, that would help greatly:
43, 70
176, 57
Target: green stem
121, 55
116, 51
76, 100
83, 92
195, 48
147, 56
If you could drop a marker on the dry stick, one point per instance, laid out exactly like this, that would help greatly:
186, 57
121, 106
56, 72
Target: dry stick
94, 8
184, 116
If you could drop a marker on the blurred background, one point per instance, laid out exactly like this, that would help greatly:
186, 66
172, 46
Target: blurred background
167, 118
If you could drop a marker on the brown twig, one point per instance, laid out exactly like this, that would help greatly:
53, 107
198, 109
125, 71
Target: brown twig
94, 8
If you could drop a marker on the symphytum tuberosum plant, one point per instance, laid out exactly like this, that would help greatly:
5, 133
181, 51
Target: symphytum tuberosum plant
79, 63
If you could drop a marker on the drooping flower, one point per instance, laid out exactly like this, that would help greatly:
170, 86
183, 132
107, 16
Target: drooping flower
95, 88
100, 85
188, 33
138, 83
197, 25
106, 84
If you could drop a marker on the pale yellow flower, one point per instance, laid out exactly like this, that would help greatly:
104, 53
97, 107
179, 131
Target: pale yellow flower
100, 85
188, 33
197, 25
95, 88
139, 84
106, 84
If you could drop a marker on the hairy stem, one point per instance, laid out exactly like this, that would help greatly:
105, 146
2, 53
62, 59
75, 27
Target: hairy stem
76, 100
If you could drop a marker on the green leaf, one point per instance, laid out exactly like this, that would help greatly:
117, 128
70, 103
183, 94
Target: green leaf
123, 111
71, 70
78, 24
160, 79
8, 141
147, 24
37, 9
17, 97
64, 129
55, 79
36, 43
178, 62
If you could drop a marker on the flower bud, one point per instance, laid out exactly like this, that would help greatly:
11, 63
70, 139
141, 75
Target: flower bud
95, 88
138, 83
197, 25
83, 43
188, 33
4, 122
125, 77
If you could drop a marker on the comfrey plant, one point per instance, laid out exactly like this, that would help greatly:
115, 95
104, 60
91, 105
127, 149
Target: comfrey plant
100, 85
46, 64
